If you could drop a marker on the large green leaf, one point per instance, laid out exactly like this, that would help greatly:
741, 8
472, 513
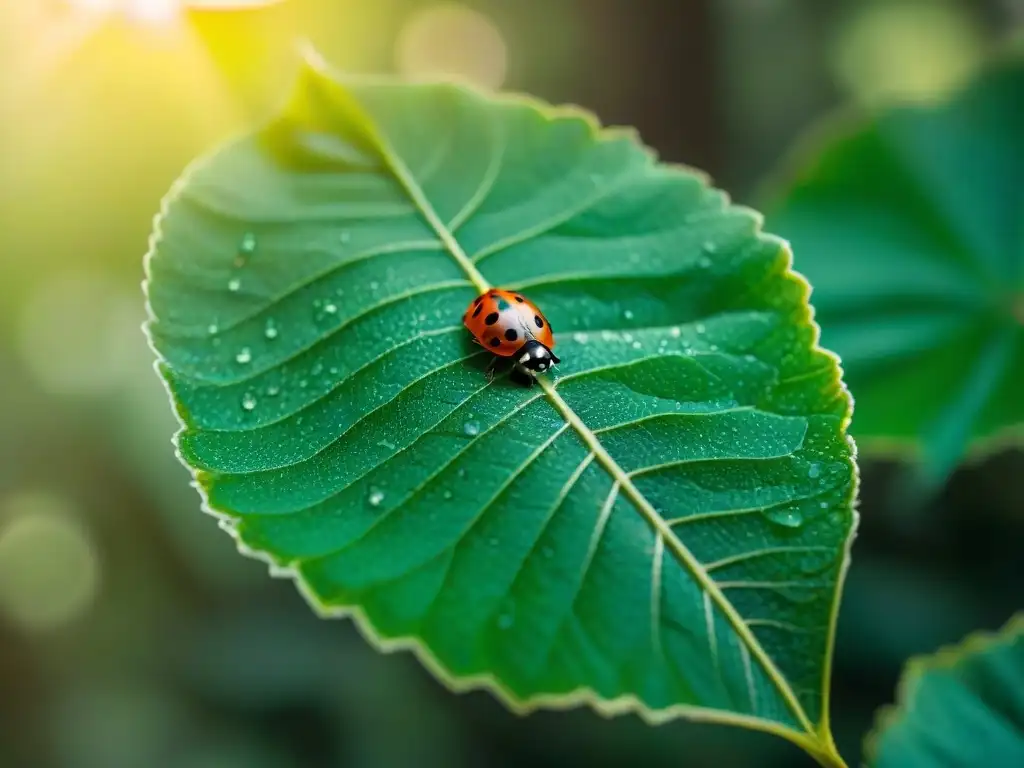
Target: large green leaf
961, 708
660, 525
910, 227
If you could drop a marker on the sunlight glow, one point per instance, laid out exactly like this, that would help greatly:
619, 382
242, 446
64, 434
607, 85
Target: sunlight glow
155, 12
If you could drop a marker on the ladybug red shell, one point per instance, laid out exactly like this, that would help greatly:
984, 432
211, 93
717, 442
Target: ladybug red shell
509, 324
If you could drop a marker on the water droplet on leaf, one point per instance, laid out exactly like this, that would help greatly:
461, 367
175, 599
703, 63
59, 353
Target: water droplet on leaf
244, 356
628, 314
249, 401
471, 428
376, 497
270, 331
814, 470
330, 308
790, 518
273, 390
386, 444
234, 284
248, 244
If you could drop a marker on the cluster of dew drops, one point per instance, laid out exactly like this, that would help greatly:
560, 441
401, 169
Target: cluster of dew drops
244, 356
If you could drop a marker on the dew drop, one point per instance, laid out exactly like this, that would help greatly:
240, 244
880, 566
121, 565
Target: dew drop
333, 370
270, 331
244, 356
212, 329
789, 518
317, 369
709, 246
386, 444
303, 383
248, 244
627, 337
471, 428
814, 470
345, 236
700, 328
376, 497
249, 401
447, 494
674, 333
234, 284
713, 347
580, 338
331, 308
461, 472
374, 285
628, 314
637, 345
823, 505
273, 390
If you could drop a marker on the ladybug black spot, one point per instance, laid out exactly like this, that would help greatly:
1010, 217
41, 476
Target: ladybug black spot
511, 334
491, 319
495, 342
479, 299
477, 310
538, 321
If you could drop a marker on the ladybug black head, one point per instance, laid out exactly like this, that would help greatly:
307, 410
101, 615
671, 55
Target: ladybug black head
535, 357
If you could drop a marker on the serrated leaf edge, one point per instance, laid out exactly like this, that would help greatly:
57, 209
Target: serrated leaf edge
945, 657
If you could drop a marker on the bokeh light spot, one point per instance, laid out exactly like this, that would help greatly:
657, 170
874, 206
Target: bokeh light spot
49, 568
906, 50
80, 333
453, 42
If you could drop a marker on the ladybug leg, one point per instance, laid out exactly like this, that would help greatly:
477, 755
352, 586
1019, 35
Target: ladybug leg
490, 368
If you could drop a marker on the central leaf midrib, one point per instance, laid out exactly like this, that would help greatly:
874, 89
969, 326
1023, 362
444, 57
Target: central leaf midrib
681, 552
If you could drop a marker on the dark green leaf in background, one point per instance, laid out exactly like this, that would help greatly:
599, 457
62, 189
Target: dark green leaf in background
910, 228
661, 525
961, 708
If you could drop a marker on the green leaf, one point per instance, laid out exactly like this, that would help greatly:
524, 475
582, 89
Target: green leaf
910, 227
659, 525
960, 708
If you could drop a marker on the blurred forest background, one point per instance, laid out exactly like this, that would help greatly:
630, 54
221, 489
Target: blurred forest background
131, 633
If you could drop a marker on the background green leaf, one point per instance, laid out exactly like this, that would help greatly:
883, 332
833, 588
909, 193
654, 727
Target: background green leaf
661, 525
960, 708
909, 227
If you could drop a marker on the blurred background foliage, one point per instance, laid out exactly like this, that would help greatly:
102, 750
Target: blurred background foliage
131, 634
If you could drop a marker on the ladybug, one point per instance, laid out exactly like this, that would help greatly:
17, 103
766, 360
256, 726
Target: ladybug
509, 324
